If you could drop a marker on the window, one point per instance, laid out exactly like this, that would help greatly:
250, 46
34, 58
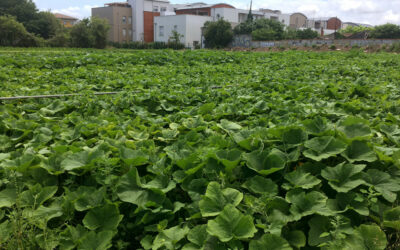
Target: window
130, 32
124, 19
155, 8
130, 20
175, 27
163, 9
65, 22
124, 32
161, 31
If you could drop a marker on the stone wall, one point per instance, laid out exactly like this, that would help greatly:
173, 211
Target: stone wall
245, 41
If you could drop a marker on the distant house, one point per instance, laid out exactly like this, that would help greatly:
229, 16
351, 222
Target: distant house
66, 21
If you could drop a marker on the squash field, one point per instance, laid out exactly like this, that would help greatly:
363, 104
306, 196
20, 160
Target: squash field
199, 150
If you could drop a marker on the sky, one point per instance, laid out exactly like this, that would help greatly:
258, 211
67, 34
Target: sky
373, 12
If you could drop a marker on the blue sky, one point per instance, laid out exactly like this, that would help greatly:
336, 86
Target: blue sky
364, 11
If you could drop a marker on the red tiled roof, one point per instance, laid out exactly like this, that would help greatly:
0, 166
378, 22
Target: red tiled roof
62, 16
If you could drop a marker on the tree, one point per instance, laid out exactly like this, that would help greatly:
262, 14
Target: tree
266, 29
306, 34
81, 37
386, 31
45, 25
262, 29
175, 37
13, 33
99, 29
244, 28
90, 33
24, 10
354, 29
218, 34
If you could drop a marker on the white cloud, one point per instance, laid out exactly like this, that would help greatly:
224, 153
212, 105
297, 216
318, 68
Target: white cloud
391, 17
365, 11
75, 11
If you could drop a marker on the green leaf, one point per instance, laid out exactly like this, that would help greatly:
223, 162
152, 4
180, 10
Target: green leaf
385, 184
81, 159
8, 197
301, 179
229, 126
266, 163
105, 218
318, 226
129, 189
160, 182
316, 126
296, 238
216, 199
88, 198
320, 148
261, 185
170, 237
133, 158
294, 136
37, 195
231, 224
344, 177
5, 232
366, 237
349, 201
269, 242
359, 151
96, 241
198, 235
354, 128
304, 204
230, 159
246, 139
321, 229
391, 218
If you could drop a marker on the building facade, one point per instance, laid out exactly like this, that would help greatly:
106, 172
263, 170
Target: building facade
189, 26
119, 16
66, 21
298, 21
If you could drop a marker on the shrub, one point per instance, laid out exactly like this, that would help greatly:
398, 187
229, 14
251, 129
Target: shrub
218, 34
61, 39
332, 47
306, 34
13, 33
90, 33
386, 31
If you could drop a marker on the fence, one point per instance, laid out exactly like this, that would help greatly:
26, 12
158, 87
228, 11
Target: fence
245, 41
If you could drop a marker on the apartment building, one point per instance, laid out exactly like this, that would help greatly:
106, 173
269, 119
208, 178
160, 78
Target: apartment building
119, 16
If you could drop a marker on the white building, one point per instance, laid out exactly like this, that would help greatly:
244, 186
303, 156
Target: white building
189, 26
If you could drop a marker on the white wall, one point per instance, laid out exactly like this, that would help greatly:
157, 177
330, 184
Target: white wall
137, 19
228, 14
169, 22
193, 28
149, 5
187, 25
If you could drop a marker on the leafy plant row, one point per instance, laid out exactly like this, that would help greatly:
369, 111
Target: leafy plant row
284, 160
